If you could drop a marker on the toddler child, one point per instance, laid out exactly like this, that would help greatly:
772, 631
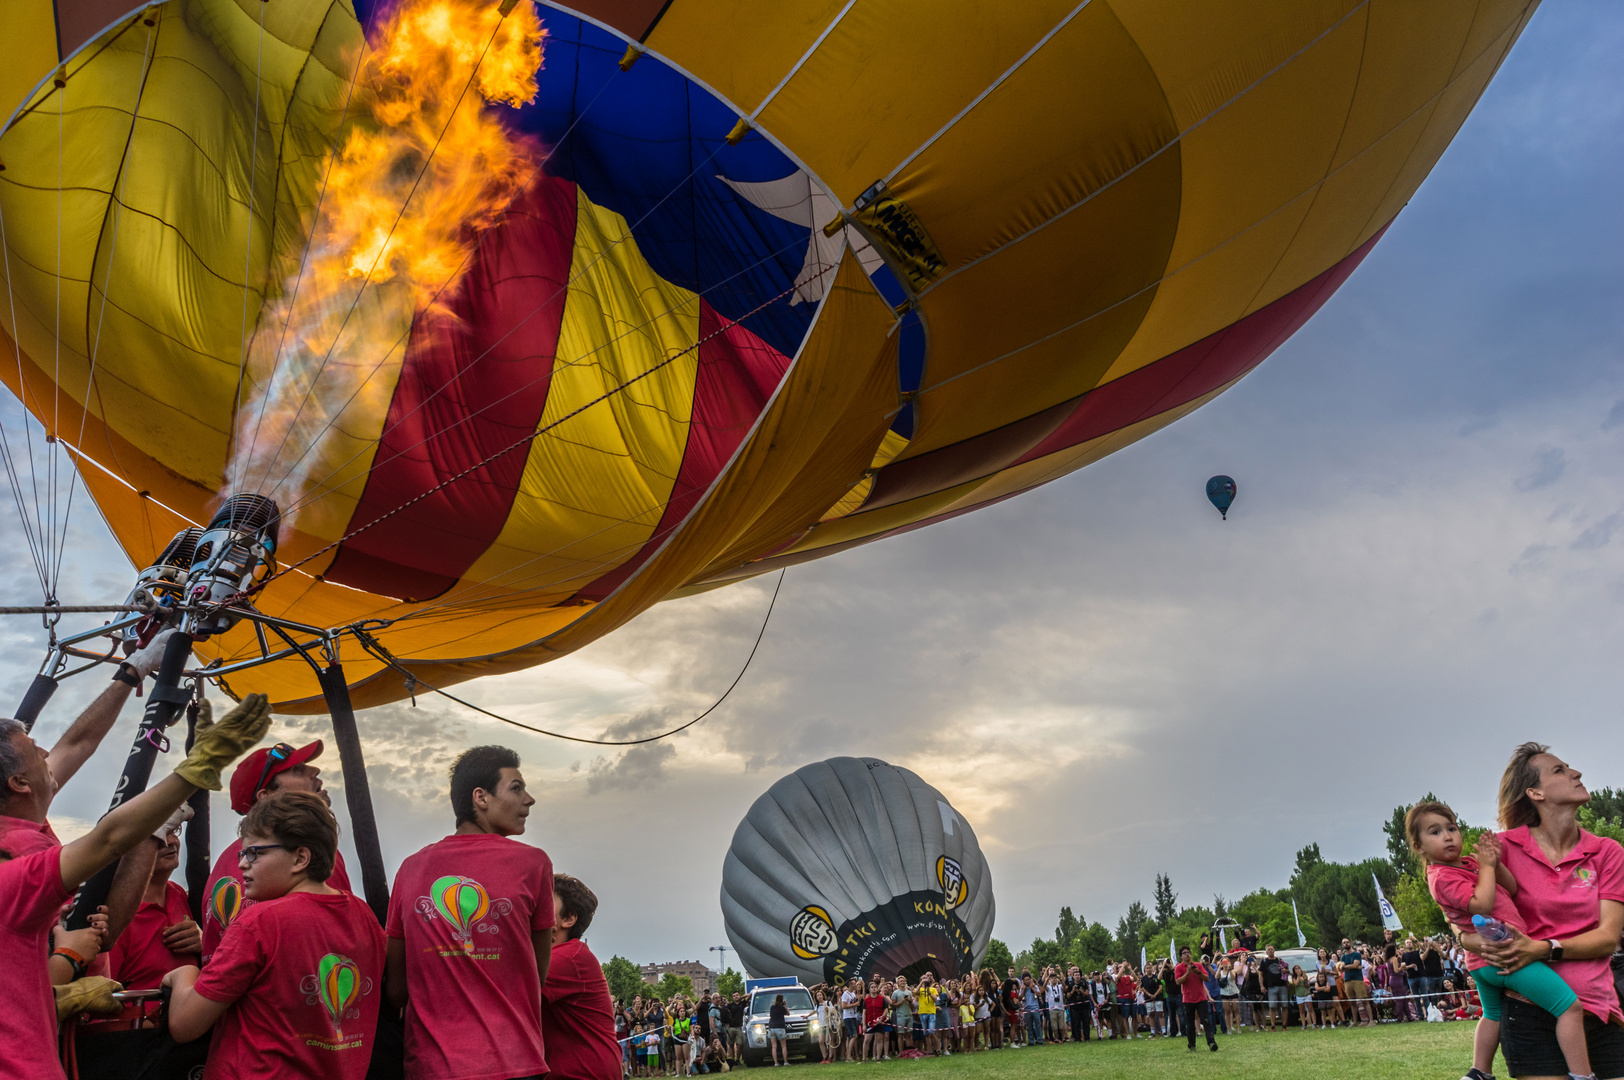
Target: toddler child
1465, 886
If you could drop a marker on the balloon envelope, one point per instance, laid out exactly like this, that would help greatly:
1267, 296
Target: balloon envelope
853, 867
661, 371
1221, 493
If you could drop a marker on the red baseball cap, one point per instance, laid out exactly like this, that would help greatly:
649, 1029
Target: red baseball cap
256, 770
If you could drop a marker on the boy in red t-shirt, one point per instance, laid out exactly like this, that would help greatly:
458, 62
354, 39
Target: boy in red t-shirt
470, 933
577, 1014
293, 988
282, 767
1465, 886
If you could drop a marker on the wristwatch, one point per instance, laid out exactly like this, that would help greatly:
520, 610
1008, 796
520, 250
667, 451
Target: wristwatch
1556, 950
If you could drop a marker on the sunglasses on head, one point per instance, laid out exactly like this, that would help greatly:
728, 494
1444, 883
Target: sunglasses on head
274, 756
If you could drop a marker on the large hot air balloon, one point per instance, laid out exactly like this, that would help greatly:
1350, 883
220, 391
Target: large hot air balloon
852, 867
740, 285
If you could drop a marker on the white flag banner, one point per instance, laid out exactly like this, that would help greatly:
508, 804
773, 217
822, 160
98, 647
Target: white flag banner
1172, 952
1141, 958
1302, 941
1222, 939
1390, 919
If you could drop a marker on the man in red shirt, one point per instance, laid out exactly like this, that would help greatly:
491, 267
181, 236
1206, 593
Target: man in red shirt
23, 828
264, 772
577, 1015
34, 887
1192, 980
470, 933
293, 990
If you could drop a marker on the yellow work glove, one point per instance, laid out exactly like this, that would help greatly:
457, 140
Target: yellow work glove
218, 745
92, 994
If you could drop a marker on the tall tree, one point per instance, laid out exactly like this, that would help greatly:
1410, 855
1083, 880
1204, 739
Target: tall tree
671, 985
998, 957
1607, 804
1070, 926
1398, 842
730, 982
1130, 930
1167, 902
1220, 907
1093, 947
624, 978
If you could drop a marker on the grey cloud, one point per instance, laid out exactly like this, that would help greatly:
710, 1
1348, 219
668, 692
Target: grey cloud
1615, 416
635, 769
1599, 534
1549, 465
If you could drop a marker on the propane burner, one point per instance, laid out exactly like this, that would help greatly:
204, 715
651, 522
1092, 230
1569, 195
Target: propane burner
237, 549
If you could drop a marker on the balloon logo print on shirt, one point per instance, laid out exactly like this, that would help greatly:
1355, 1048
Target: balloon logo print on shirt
225, 901
462, 902
338, 984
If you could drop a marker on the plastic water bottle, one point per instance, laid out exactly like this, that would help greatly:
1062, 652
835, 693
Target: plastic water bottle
1490, 929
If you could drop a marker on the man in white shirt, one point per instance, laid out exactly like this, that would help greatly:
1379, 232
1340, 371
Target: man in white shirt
850, 1011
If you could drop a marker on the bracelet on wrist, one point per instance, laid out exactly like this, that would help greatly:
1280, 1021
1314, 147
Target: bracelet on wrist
127, 675
74, 959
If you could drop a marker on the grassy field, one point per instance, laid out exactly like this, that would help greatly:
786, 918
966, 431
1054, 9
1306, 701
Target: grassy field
1387, 1052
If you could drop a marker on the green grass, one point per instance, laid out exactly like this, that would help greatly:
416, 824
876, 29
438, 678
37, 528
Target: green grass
1385, 1052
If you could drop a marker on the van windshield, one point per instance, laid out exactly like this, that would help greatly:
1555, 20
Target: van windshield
796, 999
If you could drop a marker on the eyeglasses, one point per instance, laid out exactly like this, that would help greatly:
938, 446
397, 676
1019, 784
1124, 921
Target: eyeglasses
248, 856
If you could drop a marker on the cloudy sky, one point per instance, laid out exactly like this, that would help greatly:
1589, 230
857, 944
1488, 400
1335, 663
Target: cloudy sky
1425, 566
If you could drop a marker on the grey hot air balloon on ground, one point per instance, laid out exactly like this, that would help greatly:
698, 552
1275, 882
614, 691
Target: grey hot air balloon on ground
853, 867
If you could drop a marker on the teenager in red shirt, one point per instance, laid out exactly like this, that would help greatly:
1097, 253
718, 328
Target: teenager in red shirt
470, 933
1192, 980
293, 990
34, 887
577, 1014
876, 1032
264, 772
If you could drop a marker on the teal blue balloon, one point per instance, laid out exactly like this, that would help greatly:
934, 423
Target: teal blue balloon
1221, 491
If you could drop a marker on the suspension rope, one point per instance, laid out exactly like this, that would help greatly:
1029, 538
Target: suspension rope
116, 199
56, 376
33, 533
373, 646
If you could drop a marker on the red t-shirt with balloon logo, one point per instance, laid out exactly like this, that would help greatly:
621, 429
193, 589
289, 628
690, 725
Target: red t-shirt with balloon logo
303, 975
465, 909
224, 899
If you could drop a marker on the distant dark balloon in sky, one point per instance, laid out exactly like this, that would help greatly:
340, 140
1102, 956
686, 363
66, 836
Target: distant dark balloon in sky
1221, 490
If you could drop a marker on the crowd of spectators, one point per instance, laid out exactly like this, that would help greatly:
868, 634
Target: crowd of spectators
1249, 990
